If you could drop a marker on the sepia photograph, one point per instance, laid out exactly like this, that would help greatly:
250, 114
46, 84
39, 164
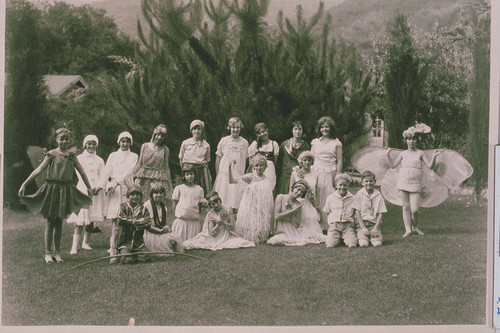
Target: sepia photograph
272, 164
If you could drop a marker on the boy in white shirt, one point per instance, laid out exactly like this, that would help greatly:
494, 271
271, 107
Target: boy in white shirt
338, 206
369, 206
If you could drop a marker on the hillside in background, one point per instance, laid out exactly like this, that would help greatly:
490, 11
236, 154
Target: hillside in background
355, 21
359, 21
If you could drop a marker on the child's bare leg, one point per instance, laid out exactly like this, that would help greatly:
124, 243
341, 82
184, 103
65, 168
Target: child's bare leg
405, 201
414, 208
113, 241
86, 237
76, 239
57, 239
47, 237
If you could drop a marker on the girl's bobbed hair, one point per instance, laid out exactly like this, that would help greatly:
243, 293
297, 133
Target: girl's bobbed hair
157, 187
343, 176
305, 154
321, 122
233, 121
160, 129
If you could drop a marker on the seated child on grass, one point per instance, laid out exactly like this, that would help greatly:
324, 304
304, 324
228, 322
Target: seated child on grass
368, 207
338, 206
133, 219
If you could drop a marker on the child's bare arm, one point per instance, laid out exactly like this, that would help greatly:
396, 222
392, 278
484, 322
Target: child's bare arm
432, 162
339, 159
217, 163
357, 214
378, 221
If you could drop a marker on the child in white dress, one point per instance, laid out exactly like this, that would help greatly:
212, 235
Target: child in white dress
187, 199
230, 148
410, 178
255, 214
327, 152
118, 177
217, 231
159, 237
310, 226
287, 213
368, 207
93, 166
267, 148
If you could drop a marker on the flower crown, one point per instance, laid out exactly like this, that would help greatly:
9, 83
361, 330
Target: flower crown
420, 128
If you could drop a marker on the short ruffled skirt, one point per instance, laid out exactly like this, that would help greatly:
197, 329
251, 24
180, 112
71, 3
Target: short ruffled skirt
186, 229
409, 179
57, 200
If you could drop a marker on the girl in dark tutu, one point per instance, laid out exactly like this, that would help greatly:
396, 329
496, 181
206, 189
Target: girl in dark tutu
58, 197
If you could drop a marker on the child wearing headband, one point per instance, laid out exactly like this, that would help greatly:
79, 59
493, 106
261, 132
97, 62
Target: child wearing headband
153, 163
218, 228
196, 152
58, 197
93, 166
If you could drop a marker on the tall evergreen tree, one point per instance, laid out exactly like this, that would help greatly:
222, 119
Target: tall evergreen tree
25, 120
405, 74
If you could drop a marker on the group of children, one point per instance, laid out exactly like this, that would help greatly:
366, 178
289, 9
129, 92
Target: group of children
135, 193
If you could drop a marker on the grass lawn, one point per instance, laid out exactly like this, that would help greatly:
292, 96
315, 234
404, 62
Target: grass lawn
439, 278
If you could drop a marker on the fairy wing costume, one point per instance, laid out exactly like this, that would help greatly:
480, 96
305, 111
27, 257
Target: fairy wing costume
449, 171
36, 155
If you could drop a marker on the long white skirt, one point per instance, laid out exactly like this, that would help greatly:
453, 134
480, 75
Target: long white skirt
223, 240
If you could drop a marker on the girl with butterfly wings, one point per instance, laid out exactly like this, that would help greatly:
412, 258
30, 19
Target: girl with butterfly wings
414, 178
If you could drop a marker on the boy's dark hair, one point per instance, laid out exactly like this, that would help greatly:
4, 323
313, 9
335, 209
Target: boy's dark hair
368, 174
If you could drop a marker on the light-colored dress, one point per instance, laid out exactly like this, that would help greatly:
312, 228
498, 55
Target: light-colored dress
187, 222
153, 162
58, 197
228, 150
225, 238
93, 166
269, 151
310, 227
410, 173
325, 165
287, 232
197, 153
118, 170
256, 210
168, 242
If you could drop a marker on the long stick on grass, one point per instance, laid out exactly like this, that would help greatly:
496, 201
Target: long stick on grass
134, 254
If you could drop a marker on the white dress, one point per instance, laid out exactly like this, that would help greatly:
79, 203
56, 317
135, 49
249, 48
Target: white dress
287, 232
187, 222
310, 228
228, 150
168, 242
325, 165
93, 166
256, 210
269, 150
118, 170
225, 238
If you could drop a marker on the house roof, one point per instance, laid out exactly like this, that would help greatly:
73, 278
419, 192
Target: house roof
58, 84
